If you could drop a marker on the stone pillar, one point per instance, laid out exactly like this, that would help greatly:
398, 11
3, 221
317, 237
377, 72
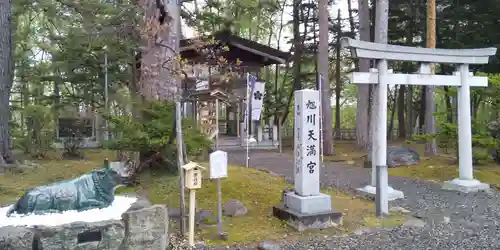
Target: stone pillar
465, 182
306, 207
307, 154
464, 126
379, 146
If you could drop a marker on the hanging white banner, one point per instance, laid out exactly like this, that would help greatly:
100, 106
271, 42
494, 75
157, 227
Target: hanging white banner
250, 82
258, 92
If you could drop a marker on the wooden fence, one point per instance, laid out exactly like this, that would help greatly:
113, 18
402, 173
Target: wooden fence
346, 134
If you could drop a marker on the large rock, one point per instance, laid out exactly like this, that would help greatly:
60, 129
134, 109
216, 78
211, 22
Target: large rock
234, 208
399, 156
146, 229
82, 236
16, 238
204, 217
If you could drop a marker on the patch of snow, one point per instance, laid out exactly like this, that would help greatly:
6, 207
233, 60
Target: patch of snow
114, 212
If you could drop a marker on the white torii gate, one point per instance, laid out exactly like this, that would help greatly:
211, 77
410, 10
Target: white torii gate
462, 78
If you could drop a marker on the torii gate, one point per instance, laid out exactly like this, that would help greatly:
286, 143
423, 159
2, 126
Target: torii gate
462, 78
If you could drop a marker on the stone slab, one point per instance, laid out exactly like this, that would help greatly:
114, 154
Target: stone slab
301, 222
308, 204
371, 191
465, 186
82, 236
146, 229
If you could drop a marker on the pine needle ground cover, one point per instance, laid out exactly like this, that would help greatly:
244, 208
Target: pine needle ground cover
257, 190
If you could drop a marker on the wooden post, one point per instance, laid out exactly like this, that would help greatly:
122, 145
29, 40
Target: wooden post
194, 178
217, 123
192, 205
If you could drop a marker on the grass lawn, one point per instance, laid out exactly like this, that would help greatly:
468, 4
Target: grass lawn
258, 190
441, 168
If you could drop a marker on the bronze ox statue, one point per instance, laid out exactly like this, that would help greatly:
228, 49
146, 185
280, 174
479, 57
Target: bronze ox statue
93, 190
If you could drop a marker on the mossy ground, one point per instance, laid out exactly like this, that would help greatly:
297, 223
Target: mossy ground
438, 169
258, 190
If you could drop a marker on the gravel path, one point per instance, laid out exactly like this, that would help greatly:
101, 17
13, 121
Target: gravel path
452, 220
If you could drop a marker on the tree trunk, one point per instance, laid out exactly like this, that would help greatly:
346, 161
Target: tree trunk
338, 85
393, 112
430, 103
316, 55
405, 126
297, 55
363, 140
26, 101
449, 109
157, 59
297, 42
325, 87
351, 24
409, 111
372, 87
401, 112
278, 115
6, 79
421, 111
156, 65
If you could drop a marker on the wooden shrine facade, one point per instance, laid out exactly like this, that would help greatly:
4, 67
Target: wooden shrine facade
216, 69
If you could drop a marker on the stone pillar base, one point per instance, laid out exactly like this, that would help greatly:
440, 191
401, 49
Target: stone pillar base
371, 191
307, 212
465, 186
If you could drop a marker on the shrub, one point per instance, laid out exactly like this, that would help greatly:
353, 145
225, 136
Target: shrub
447, 140
39, 131
154, 135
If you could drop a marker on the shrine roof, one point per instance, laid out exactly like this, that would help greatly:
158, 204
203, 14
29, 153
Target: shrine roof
249, 52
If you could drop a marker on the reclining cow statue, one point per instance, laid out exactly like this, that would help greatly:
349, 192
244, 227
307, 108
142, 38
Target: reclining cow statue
93, 190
